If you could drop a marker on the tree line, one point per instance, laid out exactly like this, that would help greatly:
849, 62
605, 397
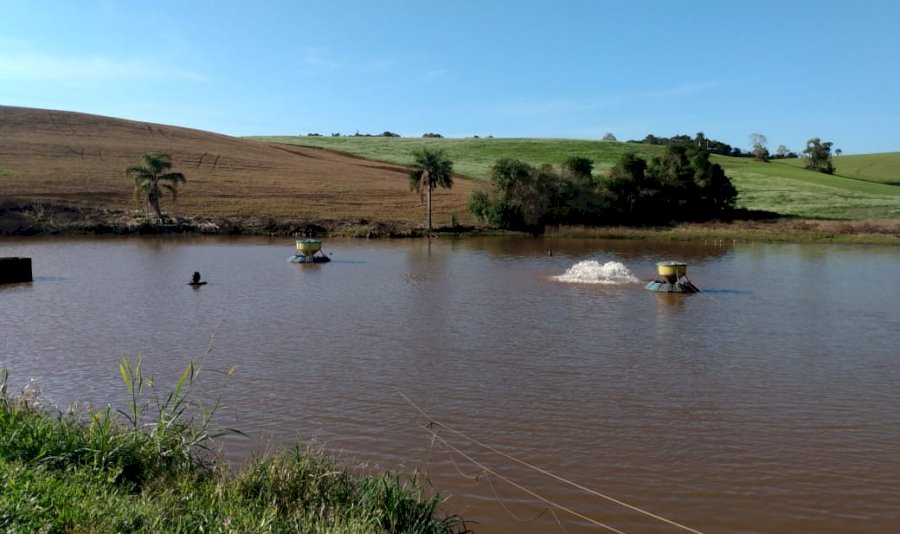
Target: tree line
681, 185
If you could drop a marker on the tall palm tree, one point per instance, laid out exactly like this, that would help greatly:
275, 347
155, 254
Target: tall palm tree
430, 169
151, 179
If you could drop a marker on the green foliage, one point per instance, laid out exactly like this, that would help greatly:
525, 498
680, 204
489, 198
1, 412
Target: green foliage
681, 185
818, 156
151, 179
66, 472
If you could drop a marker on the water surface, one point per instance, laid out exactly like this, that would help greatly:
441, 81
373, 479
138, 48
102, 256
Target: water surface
768, 403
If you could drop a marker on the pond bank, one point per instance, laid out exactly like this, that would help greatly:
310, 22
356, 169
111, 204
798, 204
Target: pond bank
53, 219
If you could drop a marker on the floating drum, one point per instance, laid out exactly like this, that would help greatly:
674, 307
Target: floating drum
672, 278
14, 270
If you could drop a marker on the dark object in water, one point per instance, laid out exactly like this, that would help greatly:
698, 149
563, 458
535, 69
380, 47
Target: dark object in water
195, 280
682, 285
13, 270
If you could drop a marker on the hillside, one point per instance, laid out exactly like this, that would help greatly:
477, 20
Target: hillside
79, 160
881, 168
279, 184
474, 156
864, 187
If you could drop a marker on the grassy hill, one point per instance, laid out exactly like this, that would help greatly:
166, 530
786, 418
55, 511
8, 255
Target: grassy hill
879, 168
472, 157
864, 187
785, 187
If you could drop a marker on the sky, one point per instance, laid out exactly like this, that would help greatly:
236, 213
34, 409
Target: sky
790, 70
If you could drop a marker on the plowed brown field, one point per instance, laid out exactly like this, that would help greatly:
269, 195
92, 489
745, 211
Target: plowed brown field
79, 160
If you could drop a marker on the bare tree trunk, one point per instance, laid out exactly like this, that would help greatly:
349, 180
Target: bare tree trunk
153, 198
429, 208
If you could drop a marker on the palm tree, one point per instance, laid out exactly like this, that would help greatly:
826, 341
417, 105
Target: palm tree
151, 179
431, 169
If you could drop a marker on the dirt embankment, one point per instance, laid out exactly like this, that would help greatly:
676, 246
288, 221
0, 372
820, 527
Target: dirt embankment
65, 172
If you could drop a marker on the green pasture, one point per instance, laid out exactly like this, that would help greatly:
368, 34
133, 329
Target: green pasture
473, 157
863, 187
881, 168
785, 187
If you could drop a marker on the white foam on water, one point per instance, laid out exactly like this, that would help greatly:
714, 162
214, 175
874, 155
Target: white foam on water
592, 272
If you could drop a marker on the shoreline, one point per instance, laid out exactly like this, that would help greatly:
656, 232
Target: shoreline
24, 220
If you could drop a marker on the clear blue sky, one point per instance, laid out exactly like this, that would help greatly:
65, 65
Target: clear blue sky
790, 70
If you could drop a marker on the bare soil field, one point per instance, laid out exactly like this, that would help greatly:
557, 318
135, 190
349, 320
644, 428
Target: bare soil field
62, 167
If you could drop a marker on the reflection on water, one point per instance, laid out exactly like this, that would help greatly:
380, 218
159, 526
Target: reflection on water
766, 403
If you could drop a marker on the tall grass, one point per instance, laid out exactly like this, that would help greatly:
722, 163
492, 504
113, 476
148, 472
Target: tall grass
149, 469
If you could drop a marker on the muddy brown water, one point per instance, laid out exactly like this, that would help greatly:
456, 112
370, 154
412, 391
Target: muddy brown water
768, 403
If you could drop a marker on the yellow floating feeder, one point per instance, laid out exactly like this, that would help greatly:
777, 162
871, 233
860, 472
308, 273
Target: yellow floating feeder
309, 250
671, 271
309, 247
672, 278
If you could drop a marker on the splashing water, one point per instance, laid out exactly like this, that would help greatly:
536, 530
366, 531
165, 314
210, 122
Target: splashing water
592, 272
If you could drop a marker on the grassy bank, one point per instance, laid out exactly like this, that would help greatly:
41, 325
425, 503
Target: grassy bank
153, 471
880, 232
56, 220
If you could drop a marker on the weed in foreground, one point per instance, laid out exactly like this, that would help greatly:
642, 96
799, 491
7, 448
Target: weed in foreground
150, 470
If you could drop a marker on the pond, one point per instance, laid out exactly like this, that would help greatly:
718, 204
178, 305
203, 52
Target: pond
768, 402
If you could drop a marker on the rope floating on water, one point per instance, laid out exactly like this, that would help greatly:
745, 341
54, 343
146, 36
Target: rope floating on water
539, 470
519, 486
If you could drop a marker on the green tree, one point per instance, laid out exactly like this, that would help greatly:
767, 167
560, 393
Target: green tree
818, 156
626, 187
758, 147
521, 197
431, 168
714, 192
152, 178
701, 141
578, 168
683, 184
